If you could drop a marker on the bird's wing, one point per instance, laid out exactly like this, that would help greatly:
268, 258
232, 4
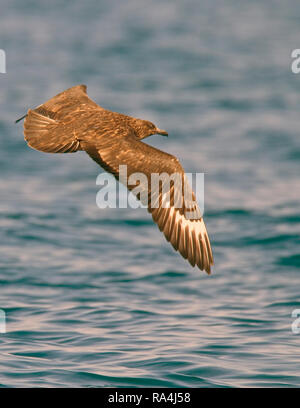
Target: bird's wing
172, 205
65, 102
54, 126
68, 101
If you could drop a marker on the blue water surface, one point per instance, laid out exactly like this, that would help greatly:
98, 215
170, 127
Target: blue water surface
98, 297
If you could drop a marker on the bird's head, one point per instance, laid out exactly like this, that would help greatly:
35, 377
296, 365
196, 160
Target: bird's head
144, 128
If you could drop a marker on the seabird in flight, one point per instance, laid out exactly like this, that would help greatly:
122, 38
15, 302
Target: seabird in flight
71, 121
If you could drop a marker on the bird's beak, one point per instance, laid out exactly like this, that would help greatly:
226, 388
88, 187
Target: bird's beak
161, 132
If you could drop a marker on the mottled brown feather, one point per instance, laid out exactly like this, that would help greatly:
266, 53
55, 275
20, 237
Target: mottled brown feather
71, 121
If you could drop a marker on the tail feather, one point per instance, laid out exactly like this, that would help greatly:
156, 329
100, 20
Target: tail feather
44, 134
49, 128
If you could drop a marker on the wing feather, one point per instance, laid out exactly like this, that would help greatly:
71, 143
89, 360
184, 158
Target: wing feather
53, 126
71, 121
186, 234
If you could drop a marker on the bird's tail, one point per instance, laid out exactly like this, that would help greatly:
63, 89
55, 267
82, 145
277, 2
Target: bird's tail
46, 135
48, 127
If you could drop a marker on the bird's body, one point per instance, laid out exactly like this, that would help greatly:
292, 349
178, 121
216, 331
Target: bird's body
71, 121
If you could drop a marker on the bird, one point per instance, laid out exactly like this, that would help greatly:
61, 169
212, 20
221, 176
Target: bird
71, 122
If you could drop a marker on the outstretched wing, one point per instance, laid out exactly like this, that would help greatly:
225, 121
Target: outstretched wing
66, 102
54, 126
172, 205
71, 121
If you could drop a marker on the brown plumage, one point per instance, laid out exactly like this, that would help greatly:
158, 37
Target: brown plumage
71, 121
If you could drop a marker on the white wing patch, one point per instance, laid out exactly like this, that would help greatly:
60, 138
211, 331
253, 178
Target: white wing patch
188, 236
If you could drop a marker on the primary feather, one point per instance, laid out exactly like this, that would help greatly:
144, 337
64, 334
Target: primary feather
71, 121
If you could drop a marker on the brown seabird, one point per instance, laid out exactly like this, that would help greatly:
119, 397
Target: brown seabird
71, 121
